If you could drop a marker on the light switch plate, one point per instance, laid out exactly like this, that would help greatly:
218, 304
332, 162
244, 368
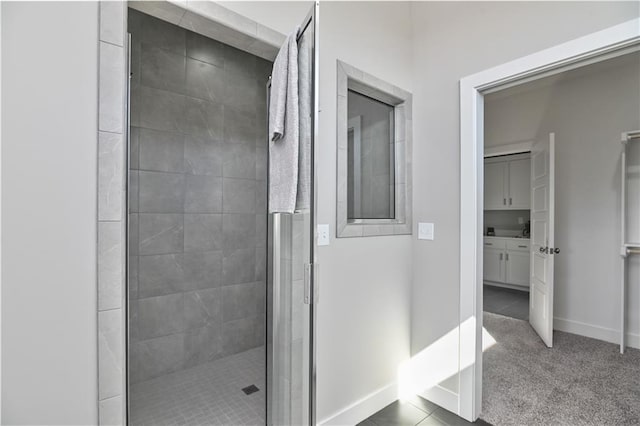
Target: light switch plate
425, 231
323, 234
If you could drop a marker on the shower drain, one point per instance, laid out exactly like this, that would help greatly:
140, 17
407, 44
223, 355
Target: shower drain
250, 389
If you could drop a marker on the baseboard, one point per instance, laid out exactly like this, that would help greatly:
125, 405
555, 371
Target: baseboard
363, 408
443, 397
595, 332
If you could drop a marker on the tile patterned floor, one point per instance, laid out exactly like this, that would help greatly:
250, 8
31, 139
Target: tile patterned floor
208, 394
416, 412
506, 302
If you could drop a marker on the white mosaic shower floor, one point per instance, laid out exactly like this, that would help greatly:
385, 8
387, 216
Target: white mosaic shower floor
208, 394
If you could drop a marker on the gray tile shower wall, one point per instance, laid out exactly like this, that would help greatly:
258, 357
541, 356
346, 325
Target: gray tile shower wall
197, 207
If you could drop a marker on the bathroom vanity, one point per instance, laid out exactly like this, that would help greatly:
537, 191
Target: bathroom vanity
506, 262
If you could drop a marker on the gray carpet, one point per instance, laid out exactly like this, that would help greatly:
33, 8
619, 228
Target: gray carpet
580, 381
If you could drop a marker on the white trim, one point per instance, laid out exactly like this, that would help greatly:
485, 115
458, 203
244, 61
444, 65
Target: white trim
443, 397
595, 332
363, 408
603, 44
507, 149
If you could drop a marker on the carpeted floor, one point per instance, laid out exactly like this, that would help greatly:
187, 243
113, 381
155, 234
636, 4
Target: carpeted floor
580, 381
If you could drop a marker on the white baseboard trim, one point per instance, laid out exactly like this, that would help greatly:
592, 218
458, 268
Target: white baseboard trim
595, 332
443, 397
363, 408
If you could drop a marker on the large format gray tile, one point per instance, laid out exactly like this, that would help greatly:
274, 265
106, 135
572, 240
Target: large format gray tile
162, 69
110, 175
110, 260
239, 196
243, 300
261, 263
243, 334
202, 270
134, 148
134, 191
239, 230
112, 22
263, 69
204, 81
163, 34
241, 91
239, 126
239, 161
203, 194
202, 156
203, 308
444, 417
261, 229
202, 232
160, 274
261, 197
161, 192
205, 49
160, 233
110, 350
262, 155
237, 61
399, 413
161, 151
111, 411
111, 88
203, 118
160, 316
161, 110
238, 266
202, 345
156, 357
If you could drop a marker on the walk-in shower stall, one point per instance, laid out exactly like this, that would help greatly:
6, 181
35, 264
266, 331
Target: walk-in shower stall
220, 325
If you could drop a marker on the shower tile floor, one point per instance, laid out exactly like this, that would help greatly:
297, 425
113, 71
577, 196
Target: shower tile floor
208, 394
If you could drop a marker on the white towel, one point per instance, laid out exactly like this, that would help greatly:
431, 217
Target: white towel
284, 129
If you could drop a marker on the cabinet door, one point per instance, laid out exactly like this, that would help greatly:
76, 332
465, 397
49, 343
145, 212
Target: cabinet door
493, 265
517, 268
494, 186
520, 184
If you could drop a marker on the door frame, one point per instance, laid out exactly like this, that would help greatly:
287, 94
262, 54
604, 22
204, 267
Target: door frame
598, 46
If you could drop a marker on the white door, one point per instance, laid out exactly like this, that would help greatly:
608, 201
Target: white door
494, 186
542, 238
520, 184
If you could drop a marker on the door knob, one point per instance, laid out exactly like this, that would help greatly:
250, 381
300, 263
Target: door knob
544, 249
556, 250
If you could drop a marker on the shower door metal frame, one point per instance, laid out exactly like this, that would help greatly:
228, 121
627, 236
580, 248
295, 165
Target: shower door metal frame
274, 246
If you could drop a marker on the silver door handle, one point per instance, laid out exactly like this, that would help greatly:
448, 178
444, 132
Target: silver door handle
510, 201
504, 201
500, 256
506, 256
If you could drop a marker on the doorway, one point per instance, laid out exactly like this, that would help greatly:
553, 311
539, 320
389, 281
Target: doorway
573, 181
218, 328
595, 47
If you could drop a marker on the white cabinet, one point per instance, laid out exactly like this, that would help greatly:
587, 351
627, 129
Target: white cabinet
520, 184
506, 261
507, 182
493, 265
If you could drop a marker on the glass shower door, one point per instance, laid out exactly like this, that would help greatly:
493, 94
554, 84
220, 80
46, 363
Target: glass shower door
291, 270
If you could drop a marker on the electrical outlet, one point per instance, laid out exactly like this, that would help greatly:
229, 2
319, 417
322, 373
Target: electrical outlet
323, 234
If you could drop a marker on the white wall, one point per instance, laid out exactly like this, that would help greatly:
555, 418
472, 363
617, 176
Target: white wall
587, 109
281, 16
49, 123
452, 40
363, 318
